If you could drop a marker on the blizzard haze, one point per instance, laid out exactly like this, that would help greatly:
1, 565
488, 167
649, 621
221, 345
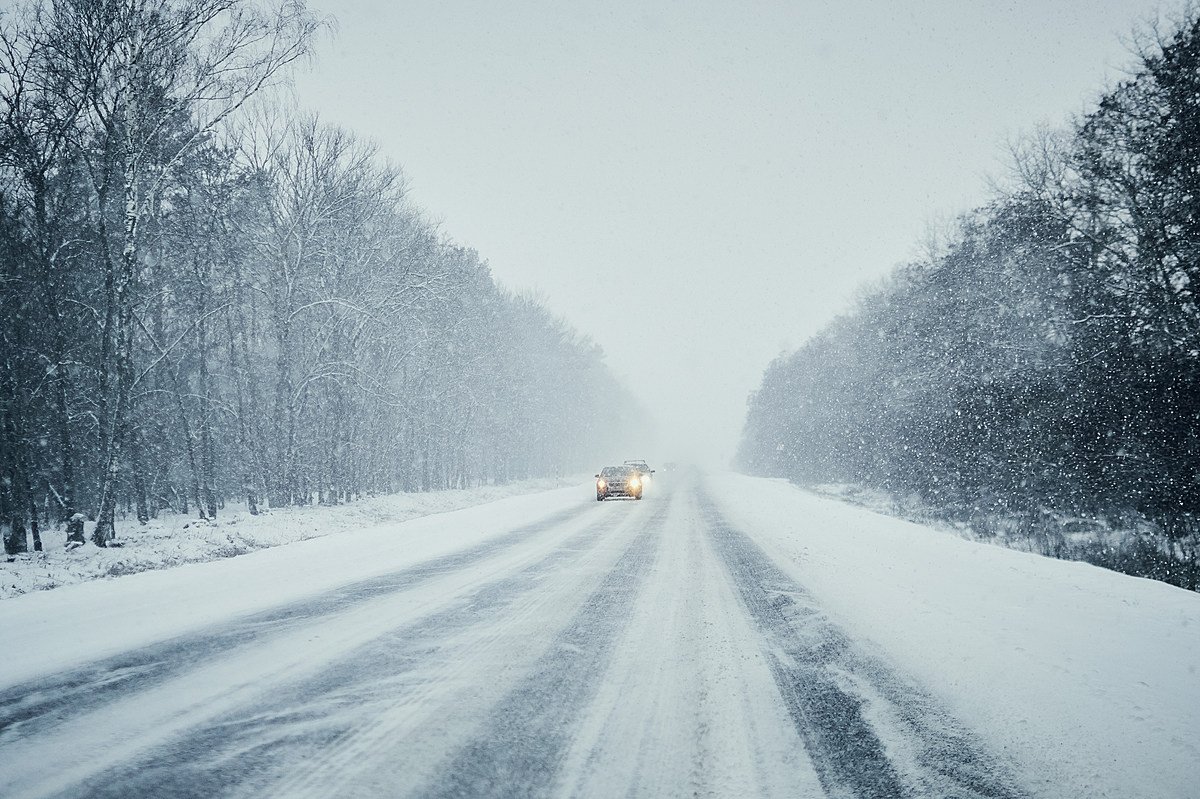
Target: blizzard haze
700, 186
297, 500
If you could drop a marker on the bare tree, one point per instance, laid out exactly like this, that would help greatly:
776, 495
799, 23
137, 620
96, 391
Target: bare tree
167, 72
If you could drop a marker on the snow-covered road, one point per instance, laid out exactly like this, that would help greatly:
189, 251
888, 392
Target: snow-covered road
550, 645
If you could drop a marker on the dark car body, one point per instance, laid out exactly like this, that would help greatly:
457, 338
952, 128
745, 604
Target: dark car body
618, 481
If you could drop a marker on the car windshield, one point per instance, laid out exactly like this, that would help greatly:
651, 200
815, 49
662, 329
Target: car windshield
617, 471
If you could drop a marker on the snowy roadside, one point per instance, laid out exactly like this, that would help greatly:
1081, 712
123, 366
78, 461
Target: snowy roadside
1089, 679
1130, 544
176, 539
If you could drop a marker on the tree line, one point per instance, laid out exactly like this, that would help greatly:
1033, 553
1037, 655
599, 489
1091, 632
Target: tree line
207, 295
1044, 362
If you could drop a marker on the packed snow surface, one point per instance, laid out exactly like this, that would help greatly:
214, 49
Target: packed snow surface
1088, 679
725, 636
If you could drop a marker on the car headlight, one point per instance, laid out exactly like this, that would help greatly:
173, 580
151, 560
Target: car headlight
601, 484
634, 482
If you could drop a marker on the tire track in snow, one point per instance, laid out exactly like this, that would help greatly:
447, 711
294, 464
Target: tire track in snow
28, 708
869, 732
687, 706
522, 745
307, 738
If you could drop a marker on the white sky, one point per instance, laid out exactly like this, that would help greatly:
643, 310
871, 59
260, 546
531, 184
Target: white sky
701, 185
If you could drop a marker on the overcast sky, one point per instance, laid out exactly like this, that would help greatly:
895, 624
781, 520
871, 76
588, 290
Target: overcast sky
701, 185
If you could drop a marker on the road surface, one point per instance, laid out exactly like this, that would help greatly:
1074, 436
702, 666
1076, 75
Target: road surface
626, 648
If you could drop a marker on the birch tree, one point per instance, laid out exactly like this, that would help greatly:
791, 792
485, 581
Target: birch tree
167, 72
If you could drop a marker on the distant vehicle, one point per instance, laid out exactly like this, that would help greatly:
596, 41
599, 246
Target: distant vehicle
644, 470
618, 481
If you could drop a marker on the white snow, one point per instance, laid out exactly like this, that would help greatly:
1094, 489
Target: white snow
173, 539
49, 631
1085, 682
1087, 679
688, 707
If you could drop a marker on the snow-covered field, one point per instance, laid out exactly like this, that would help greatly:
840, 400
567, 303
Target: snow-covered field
175, 539
727, 636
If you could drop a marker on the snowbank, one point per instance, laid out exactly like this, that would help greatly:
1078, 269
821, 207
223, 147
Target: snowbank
174, 539
50, 631
1088, 679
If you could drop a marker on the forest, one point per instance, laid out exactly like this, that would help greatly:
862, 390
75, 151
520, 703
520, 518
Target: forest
1037, 372
208, 295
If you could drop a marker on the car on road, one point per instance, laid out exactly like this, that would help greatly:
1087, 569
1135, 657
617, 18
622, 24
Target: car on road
618, 481
644, 470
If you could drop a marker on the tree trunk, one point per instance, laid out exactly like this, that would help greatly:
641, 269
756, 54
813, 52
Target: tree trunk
34, 531
75, 529
189, 444
286, 489
239, 377
50, 285
116, 374
16, 501
12, 508
207, 450
137, 473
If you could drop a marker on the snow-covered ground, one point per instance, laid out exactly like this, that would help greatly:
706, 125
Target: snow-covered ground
1088, 679
727, 636
97, 618
175, 539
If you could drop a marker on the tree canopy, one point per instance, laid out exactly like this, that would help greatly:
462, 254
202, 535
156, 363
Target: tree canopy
1048, 358
208, 295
